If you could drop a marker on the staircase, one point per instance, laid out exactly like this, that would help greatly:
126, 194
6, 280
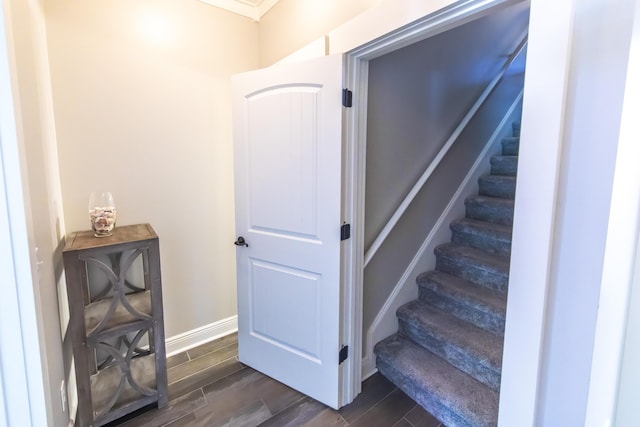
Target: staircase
447, 353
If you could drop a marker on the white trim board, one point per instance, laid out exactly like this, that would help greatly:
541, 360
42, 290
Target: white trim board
195, 337
22, 382
545, 87
394, 24
616, 331
385, 323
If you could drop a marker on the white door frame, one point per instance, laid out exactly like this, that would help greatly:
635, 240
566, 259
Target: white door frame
21, 372
614, 384
354, 163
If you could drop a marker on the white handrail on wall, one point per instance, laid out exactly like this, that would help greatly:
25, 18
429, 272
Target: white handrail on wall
438, 158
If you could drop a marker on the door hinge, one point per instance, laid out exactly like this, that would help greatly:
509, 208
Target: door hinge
345, 231
347, 98
344, 354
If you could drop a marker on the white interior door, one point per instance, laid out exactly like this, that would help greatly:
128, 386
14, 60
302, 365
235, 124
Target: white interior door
287, 132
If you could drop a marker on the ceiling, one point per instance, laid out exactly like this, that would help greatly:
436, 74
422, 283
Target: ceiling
254, 9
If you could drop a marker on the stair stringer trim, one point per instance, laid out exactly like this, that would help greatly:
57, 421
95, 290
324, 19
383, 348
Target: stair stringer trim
405, 290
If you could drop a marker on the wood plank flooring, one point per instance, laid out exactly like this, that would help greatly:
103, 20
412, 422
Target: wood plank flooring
209, 387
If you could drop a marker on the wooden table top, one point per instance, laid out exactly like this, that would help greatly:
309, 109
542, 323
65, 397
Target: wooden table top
125, 234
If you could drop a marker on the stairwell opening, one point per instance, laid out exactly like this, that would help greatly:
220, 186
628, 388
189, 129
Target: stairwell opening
416, 96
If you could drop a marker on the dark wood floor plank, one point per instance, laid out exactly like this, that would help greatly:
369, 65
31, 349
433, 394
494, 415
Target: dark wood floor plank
196, 365
241, 414
251, 384
374, 389
236, 397
299, 414
419, 417
175, 410
214, 345
204, 377
231, 383
177, 359
403, 423
186, 421
276, 395
387, 412
327, 418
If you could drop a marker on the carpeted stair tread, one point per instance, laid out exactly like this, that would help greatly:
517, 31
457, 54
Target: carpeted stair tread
482, 306
474, 265
482, 235
491, 209
510, 146
498, 186
455, 398
504, 165
469, 348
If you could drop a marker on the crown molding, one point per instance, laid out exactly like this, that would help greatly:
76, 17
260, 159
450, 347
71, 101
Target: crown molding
253, 9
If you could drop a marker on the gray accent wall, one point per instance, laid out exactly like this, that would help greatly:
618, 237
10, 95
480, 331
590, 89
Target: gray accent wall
417, 96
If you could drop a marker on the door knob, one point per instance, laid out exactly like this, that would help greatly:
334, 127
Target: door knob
241, 242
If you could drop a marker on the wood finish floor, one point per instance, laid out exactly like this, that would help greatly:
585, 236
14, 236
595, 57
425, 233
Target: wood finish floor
209, 387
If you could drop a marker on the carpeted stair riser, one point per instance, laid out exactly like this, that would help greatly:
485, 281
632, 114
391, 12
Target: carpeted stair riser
469, 348
490, 209
455, 398
498, 186
510, 146
494, 238
489, 270
481, 306
504, 165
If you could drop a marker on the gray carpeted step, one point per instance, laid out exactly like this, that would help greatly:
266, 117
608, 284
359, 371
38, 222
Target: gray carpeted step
481, 306
510, 145
474, 265
491, 209
504, 165
497, 186
495, 238
455, 398
467, 347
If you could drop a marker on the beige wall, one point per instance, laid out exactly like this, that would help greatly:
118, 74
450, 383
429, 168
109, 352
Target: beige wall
292, 24
36, 133
142, 103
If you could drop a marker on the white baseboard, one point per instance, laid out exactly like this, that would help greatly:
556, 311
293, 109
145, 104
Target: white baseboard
368, 366
201, 335
386, 323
